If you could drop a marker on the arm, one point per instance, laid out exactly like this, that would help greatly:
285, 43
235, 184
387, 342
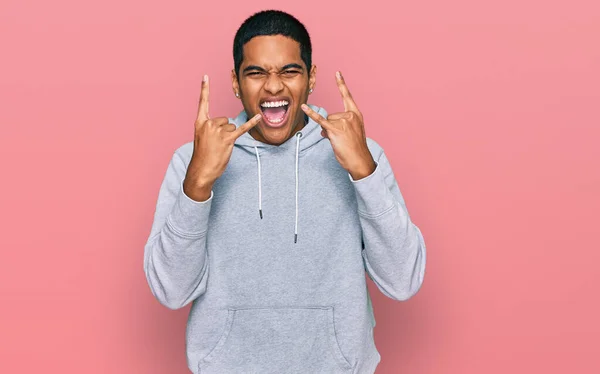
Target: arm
393, 246
175, 260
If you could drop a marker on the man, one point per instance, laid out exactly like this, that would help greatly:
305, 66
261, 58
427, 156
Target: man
267, 222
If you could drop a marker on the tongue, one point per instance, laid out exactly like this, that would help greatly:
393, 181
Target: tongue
274, 114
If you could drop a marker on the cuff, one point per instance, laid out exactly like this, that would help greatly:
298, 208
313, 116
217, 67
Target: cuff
190, 217
373, 196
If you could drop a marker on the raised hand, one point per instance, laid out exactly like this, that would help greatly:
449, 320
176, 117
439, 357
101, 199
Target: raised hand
346, 132
214, 139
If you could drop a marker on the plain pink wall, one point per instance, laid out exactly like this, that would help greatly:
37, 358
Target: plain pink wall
489, 112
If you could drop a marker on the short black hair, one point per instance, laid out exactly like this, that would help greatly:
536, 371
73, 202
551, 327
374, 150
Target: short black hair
271, 22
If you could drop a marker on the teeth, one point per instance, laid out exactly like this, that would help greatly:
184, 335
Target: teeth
274, 104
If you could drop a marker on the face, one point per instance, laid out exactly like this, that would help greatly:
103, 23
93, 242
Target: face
274, 81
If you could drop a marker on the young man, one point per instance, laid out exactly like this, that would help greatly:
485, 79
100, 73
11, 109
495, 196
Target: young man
267, 222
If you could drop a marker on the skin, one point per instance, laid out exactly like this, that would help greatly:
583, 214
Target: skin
214, 139
346, 132
272, 67
276, 70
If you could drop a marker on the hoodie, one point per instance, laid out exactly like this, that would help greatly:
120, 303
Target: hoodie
274, 262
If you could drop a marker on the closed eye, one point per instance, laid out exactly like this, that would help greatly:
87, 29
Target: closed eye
287, 73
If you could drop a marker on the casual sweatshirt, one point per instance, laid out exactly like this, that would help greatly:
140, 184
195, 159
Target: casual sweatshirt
274, 262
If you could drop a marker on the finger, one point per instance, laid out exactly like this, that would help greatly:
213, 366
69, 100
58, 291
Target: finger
349, 103
246, 126
324, 134
228, 127
203, 105
316, 117
219, 121
336, 116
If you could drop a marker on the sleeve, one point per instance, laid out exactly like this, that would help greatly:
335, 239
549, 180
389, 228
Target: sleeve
175, 256
394, 250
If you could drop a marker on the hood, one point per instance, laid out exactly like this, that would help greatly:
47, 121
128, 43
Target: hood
299, 142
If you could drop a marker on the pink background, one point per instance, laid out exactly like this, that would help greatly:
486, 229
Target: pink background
489, 112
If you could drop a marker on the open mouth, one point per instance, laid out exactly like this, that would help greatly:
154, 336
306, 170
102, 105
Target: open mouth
275, 113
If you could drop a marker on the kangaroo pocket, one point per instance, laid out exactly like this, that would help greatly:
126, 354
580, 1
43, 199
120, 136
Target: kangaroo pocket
277, 340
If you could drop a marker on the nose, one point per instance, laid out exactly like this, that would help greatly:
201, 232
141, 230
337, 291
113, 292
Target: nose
273, 85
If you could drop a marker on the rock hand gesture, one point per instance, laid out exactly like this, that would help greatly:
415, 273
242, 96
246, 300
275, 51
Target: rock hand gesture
214, 139
346, 132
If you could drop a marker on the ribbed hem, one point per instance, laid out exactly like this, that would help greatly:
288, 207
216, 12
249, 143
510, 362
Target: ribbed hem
373, 195
190, 217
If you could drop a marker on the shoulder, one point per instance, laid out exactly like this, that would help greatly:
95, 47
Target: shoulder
183, 153
375, 148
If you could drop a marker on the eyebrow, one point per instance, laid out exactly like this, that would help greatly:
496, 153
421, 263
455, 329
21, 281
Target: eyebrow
288, 66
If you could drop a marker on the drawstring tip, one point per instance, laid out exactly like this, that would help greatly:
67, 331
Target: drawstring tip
295, 238
260, 213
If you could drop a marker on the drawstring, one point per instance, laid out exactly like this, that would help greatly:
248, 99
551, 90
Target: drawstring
298, 136
259, 185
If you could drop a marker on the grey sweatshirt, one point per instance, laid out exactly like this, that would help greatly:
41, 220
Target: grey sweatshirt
274, 261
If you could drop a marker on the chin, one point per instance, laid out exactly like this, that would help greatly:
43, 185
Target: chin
275, 136
279, 117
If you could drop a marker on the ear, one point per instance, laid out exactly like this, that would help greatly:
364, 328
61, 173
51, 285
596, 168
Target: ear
312, 77
234, 83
